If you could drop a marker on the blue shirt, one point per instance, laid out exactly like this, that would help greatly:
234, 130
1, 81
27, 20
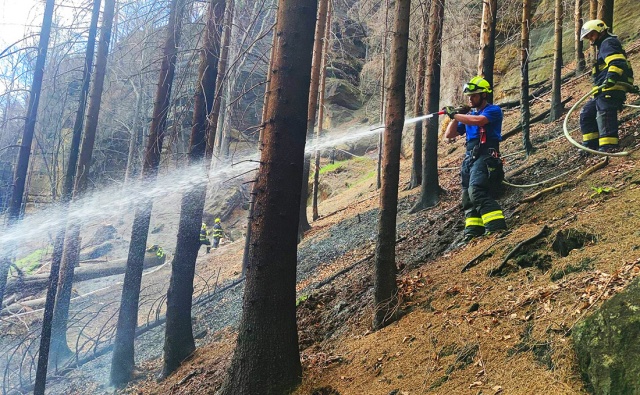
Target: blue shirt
493, 129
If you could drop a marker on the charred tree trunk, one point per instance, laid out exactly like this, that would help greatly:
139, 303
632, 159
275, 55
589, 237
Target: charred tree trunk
267, 360
430, 188
72, 240
123, 353
322, 54
606, 13
214, 116
385, 288
312, 107
19, 179
418, 107
67, 192
580, 61
178, 338
487, 57
556, 98
525, 113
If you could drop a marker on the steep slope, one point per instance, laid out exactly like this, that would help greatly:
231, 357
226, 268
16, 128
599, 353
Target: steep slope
461, 332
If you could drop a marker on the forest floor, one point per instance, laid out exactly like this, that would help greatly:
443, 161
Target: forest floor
460, 332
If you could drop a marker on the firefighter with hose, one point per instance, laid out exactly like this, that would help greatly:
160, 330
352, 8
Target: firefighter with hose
612, 79
482, 170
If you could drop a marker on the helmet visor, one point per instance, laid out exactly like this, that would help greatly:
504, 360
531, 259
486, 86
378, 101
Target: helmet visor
470, 88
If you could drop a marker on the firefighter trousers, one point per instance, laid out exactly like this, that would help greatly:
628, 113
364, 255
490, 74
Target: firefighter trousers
599, 120
482, 212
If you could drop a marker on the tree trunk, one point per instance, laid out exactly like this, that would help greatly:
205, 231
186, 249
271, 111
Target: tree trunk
267, 360
72, 240
382, 92
606, 13
593, 14
385, 288
67, 191
579, 49
178, 339
316, 65
323, 35
123, 354
556, 99
19, 179
214, 116
430, 188
418, 106
487, 57
525, 112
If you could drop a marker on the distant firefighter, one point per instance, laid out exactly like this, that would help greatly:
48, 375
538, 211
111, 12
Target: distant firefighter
204, 237
218, 233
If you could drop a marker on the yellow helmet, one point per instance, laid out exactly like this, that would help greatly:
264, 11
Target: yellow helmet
217, 220
477, 85
594, 25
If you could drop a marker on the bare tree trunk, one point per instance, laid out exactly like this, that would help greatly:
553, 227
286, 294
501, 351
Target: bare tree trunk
418, 104
316, 65
606, 13
525, 113
579, 49
318, 72
267, 360
178, 338
593, 14
385, 288
487, 57
430, 188
67, 192
214, 116
556, 99
123, 354
72, 241
19, 179
382, 92
135, 137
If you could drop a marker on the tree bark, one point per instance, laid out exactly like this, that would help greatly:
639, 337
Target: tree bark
382, 92
430, 188
67, 192
178, 339
385, 288
525, 112
578, 44
214, 116
322, 54
267, 360
123, 356
316, 65
487, 57
418, 107
606, 13
556, 99
14, 210
593, 14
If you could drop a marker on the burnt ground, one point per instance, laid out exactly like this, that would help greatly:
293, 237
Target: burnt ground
480, 331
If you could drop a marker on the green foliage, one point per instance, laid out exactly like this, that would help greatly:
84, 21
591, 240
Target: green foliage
32, 261
584, 264
600, 190
301, 299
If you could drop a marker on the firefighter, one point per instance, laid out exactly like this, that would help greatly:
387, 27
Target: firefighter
481, 170
218, 233
599, 117
204, 237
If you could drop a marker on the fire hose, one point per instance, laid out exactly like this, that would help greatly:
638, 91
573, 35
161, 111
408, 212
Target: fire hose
593, 91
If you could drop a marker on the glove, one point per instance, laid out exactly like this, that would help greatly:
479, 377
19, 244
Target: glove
463, 110
450, 111
609, 83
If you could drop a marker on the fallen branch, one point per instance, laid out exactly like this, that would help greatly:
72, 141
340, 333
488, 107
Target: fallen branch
543, 233
476, 260
533, 120
536, 195
594, 168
